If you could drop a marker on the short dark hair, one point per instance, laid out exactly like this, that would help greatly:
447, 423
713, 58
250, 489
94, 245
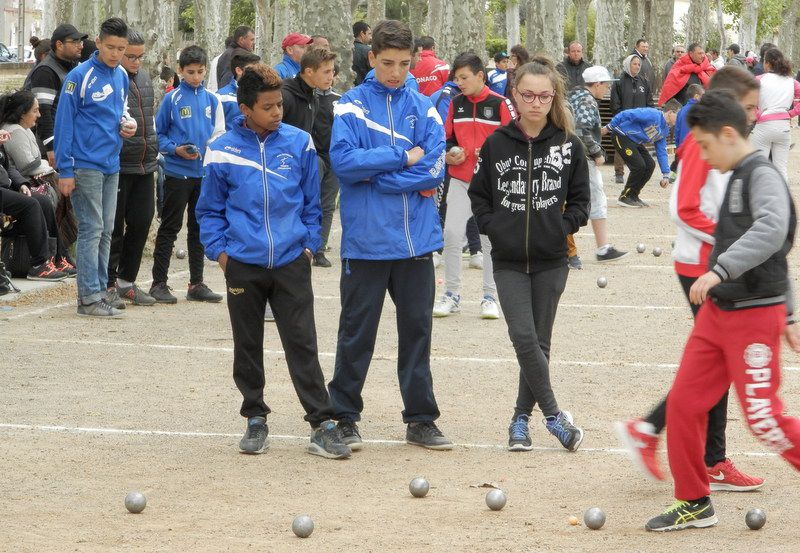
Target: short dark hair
417, 45
470, 60
360, 27
736, 79
671, 105
427, 42
114, 26
42, 48
638, 42
734, 48
521, 53
14, 105
191, 55
694, 89
256, 79
692, 46
777, 62
391, 34
713, 51
241, 31
764, 49
313, 58
717, 109
135, 38
241, 58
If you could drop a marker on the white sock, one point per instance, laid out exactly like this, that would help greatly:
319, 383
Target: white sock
603, 249
123, 283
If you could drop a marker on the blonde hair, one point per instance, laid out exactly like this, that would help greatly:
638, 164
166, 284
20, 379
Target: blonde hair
559, 115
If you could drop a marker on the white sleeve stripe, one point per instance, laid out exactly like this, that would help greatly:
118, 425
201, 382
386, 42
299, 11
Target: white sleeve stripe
45, 96
311, 144
220, 156
477, 120
85, 82
343, 109
47, 141
432, 112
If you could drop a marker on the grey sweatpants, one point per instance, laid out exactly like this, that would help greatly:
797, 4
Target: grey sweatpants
529, 303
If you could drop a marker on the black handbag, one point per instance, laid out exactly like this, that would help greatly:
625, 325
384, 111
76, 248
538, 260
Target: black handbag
15, 255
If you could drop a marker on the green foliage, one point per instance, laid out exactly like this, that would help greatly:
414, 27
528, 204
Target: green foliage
397, 9
186, 22
495, 45
570, 34
770, 16
243, 12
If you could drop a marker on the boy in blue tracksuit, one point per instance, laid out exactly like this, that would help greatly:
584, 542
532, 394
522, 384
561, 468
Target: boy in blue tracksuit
387, 149
189, 118
630, 131
240, 60
259, 217
90, 123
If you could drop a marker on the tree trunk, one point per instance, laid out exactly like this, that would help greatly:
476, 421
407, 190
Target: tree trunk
331, 19
376, 11
635, 23
212, 19
786, 33
87, 16
264, 20
661, 17
446, 22
512, 23
747, 25
609, 34
417, 12
647, 11
63, 12
582, 22
284, 22
697, 23
546, 27
723, 39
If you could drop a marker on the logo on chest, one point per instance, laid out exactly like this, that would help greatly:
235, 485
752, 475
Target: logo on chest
488, 112
101, 95
186, 112
285, 160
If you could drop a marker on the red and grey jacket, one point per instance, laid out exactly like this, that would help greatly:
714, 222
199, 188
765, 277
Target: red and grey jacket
431, 73
470, 120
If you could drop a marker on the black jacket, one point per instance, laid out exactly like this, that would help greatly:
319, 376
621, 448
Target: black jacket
573, 74
300, 104
45, 83
224, 74
527, 195
139, 154
9, 176
323, 123
360, 61
630, 92
647, 72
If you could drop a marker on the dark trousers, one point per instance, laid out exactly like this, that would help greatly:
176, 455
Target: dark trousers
30, 222
289, 292
329, 189
473, 236
363, 287
639, 162
135, 208
178, 194
717, 416
529, 303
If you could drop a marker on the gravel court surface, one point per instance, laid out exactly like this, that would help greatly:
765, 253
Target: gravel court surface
94, 409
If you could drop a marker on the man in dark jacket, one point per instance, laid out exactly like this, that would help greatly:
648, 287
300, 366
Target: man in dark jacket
362, 37
243, 37
648, 73
135, 193
47, 78
573, 66
629, 92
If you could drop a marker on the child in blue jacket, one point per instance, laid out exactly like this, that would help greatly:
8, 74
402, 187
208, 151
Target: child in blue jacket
189, 118
259, 215
387, 149
630, 131
240, 60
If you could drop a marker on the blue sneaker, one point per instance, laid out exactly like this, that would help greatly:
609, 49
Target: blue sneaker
254, 440
562, 428
519, 438
327, 442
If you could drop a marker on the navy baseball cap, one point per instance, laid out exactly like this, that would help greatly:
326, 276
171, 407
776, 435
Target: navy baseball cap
500, 56
67, 32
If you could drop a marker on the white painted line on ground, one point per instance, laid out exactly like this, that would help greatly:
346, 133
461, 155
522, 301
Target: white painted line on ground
139, 432
571, 305
278, 352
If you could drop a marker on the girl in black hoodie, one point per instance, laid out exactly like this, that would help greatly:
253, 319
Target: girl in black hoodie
529, 191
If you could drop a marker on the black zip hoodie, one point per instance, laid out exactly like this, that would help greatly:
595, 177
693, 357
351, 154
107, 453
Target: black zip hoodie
528, 194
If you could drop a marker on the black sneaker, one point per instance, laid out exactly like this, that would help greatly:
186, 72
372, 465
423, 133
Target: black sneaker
254, 440
135, 295
628, 201
519, 437
348, 430
327, 442
113, 299
638, 200
575, 263
45, 272
426, 434
562, 428
162, 293
612, 254
320, 260
201, 292
684, 514
269, 316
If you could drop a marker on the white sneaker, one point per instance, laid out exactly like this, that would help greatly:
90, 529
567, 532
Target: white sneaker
489, 308
437, 259
476, 261
449, 304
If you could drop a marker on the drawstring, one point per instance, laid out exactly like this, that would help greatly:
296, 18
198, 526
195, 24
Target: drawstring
347, 266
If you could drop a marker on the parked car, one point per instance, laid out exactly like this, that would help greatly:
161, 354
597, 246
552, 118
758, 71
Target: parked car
6, 55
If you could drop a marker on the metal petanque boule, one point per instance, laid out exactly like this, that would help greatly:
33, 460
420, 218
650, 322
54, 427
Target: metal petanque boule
180, 254
602, 282
419, 487
640, 247
755, 519
594, 518
657, 252
496, 499
302, 526
135, 502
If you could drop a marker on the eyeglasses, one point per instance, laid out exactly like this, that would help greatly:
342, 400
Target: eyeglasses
529, 97
133, 59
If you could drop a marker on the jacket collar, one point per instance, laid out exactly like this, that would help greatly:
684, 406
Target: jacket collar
189, 88
68, 65
479, 97
247, 133
376, 86
94, 60
291, 63
514, 130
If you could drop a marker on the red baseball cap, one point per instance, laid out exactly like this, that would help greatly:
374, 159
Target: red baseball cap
293, 39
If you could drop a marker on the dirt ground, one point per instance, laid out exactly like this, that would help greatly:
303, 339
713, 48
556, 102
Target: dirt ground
94, 409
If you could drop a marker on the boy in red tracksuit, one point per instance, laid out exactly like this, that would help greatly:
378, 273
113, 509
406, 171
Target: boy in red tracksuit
430, 72
747, 305
472, 116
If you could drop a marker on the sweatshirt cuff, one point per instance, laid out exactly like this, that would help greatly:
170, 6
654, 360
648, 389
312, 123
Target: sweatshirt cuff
720, 271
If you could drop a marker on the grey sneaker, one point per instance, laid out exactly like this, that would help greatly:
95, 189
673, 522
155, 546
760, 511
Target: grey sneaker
162, 293
426, 434
135, 295
575, 263
100, 309
619, 179
113, 299
254, 440
519, 437
201, 292
348, 430
612, 254
562, 428
326, 442
269, 316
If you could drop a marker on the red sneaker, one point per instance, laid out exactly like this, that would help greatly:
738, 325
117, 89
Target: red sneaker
641, 441
724, 476
67, 268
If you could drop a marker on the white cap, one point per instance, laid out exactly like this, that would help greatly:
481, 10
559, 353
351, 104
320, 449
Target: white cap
597, 74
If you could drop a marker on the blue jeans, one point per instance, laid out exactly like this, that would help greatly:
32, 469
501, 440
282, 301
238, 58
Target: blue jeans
95, 204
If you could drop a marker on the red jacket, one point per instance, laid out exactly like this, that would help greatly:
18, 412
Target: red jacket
679, 76
431, 72
470, 120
